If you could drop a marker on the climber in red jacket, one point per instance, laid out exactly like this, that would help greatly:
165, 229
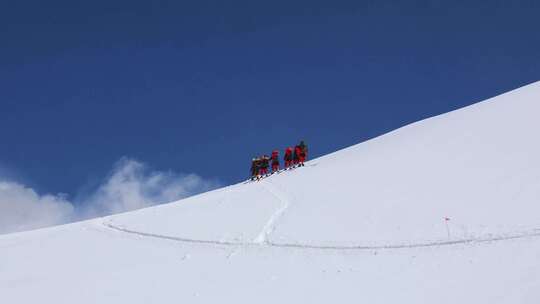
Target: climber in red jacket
275, 161
288, 157
302, 154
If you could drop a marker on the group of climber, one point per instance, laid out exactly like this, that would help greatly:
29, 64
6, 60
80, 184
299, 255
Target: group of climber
294, 157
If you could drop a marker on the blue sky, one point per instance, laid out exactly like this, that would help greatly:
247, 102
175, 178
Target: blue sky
203, 86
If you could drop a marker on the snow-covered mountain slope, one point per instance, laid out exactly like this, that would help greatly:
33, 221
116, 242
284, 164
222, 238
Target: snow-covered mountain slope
365, 224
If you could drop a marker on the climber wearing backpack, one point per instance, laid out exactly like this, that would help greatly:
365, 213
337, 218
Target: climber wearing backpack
275, 161
296, 155
303, 153
265, 163
288, 157
255, 167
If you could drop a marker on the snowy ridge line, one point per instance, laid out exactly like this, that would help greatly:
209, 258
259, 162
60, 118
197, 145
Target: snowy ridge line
262, 237
534, 233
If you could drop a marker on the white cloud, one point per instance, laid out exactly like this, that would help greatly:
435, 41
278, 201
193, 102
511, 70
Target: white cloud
21, 208
130, 185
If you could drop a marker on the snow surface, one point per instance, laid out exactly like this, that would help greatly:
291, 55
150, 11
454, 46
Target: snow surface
362, 225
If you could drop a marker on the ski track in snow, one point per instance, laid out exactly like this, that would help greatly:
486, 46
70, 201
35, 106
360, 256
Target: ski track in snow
262, 237
172, 238
522, 235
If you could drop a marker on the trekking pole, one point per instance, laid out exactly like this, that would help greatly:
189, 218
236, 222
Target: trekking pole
446, 220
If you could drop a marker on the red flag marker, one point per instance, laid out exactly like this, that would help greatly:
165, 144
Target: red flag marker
446, 220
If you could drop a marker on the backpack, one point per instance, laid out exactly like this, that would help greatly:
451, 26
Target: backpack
303, 147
